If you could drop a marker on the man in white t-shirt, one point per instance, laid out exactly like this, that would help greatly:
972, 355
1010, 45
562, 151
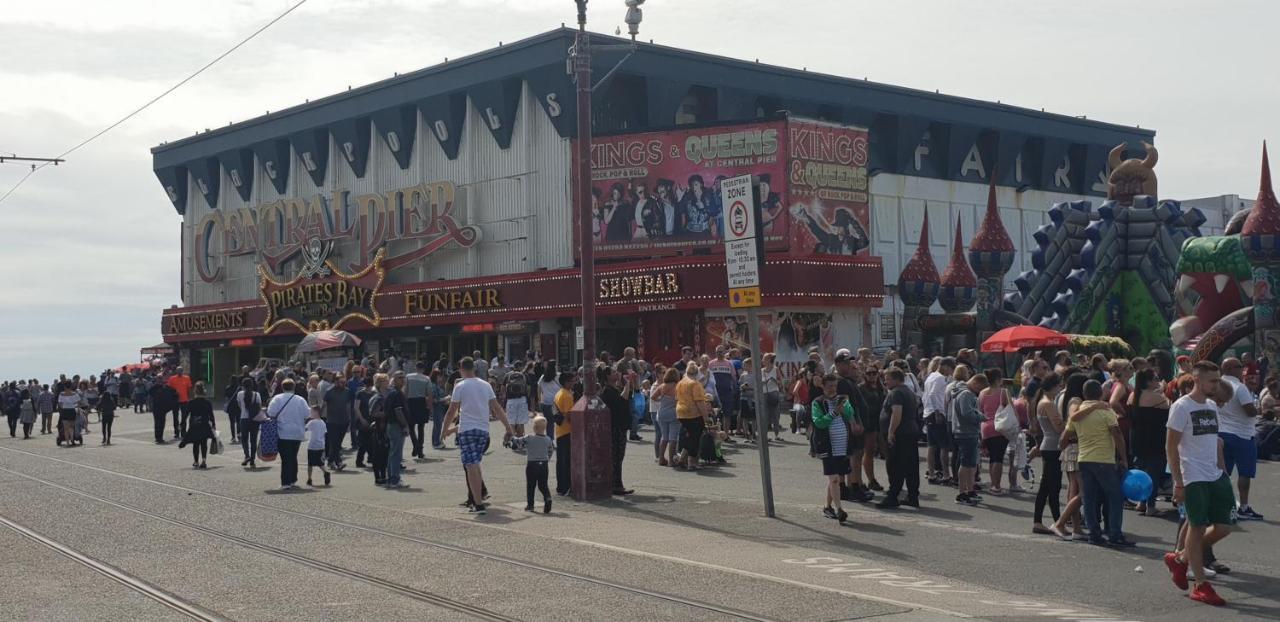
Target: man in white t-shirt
937, 427
1236, 427
471, 405
1199, 481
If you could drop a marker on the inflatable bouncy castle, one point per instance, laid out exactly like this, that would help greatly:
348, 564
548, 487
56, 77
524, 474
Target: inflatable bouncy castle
1135, 268
1110, 271
1226, 284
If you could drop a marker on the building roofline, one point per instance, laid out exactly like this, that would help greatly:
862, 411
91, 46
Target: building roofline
539, 42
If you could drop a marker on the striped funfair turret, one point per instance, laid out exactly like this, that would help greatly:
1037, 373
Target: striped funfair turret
991, 254
959, 285
1260, 238
918, 286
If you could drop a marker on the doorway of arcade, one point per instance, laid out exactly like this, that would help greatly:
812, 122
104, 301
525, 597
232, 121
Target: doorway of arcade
657, 337
215, 366
453, 346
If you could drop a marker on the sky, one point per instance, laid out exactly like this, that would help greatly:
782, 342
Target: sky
89, 249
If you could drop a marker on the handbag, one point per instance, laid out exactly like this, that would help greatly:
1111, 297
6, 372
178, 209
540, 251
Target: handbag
215, 445
269, 441
1007, 421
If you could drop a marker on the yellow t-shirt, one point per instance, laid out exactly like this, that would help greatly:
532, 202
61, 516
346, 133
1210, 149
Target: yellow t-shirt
688, 393
1094, 434
564, 404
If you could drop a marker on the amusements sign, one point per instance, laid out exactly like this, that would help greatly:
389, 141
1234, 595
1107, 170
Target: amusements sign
322, 297
657, 193
828, 189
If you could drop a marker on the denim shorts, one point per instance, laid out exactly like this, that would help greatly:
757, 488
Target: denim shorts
1240, 453
967, 450
670, 430
472, 444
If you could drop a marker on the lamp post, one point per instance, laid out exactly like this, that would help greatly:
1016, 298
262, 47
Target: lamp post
582, 202
582, 190
589, 418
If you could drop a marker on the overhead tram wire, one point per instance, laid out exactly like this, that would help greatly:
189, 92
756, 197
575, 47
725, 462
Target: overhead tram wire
157, 97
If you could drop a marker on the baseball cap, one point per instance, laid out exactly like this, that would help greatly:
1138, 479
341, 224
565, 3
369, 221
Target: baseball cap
843, 355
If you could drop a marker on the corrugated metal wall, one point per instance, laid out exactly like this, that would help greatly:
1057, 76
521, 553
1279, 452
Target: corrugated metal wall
518, 197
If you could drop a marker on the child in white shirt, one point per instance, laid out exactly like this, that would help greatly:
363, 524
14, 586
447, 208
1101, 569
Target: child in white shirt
317, 430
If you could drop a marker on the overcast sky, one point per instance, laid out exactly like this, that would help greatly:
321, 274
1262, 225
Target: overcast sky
90, 249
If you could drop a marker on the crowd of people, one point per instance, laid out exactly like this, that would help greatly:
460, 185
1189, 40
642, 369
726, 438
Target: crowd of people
1188, 426
75, 400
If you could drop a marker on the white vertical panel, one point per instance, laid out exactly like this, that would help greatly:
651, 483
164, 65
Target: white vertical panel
939, 226
518, 197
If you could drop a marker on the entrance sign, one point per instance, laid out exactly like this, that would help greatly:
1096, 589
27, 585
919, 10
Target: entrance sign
741, 248
322, 299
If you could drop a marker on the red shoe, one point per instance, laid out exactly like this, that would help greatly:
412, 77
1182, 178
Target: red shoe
1205, 594
1176, 568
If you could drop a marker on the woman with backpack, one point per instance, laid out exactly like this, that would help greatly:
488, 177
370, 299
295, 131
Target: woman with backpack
834, 423
516, 398
245, 407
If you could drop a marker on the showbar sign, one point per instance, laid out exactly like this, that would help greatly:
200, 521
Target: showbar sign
741, 242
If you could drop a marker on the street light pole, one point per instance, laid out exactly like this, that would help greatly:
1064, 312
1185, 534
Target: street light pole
582, 203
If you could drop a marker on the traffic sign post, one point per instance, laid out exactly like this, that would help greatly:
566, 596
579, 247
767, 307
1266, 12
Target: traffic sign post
743, 249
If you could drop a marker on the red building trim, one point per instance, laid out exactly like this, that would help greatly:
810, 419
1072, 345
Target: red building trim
681, 284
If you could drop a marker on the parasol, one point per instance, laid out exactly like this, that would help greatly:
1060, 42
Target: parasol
327, 340
1015, 338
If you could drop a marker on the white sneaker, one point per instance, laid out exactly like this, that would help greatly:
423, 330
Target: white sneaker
1209, 573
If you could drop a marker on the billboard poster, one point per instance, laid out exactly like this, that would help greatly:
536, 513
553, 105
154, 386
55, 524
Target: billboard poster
657, 193
790, 335
828, 186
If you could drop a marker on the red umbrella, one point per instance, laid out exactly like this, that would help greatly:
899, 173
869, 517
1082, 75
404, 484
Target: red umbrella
1016, 338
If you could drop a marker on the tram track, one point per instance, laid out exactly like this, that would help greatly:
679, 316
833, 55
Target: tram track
444, 546
315, 564
167, 599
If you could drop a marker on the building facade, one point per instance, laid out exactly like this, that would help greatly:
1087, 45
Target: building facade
431, 213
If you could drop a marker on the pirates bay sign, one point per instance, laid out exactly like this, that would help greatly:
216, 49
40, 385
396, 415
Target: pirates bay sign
322, 297
362, 225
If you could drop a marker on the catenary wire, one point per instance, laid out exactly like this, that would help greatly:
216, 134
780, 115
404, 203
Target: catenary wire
157, 98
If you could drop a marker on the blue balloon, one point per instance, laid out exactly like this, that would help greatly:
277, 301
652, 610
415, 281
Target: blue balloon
1137, 486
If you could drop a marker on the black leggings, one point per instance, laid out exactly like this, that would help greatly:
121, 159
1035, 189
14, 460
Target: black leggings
691, 435
535, 474
199, 450
619, 447
564, 477
249, 438
107, 420
1050, 484
1148, 446
996, 447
